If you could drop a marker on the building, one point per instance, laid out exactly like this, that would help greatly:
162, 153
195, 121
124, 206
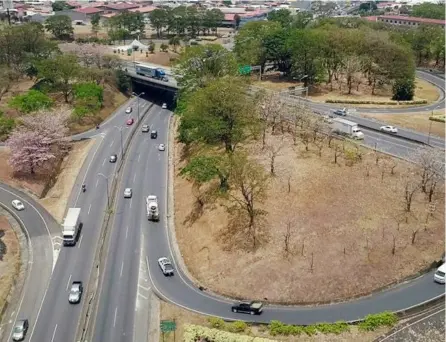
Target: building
88, 12
408, 21
119, 7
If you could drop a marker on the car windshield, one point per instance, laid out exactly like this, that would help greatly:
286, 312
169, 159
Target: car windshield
168, 267
18, 328
75, 289
440, 273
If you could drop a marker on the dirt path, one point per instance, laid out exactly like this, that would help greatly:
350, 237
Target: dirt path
57, 197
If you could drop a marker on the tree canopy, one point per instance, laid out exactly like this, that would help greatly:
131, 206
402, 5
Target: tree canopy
429, 10
60, 26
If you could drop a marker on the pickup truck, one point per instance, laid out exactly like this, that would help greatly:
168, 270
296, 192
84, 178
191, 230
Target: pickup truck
252, 308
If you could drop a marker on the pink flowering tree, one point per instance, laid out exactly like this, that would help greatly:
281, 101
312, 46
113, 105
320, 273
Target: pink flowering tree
38, 141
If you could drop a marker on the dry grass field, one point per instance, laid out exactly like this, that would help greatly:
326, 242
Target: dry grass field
348, 232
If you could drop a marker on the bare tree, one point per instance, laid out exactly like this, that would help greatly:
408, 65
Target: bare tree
273, 152
430, 162
351, 65
337, 149
410, 189
270, 109
287, 237
319, 142
305, 137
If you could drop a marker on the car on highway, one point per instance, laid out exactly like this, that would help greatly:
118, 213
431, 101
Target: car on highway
20, 329
17, 205
161, 147
113, 158
75, 292
340, 112
252, 308
128, 193
389, 129
164, 106
166, 266
145, 128
130, 122
153, 134
439, 275
128, 110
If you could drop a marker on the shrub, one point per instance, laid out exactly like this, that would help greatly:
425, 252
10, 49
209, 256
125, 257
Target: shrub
6, 126
216, 322
438, 118
194, 333
335, 328
237, 326
279, 328
31, 101
389, 103
372, 322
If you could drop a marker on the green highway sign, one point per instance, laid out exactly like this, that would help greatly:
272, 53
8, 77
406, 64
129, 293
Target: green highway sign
245, 70
168, 326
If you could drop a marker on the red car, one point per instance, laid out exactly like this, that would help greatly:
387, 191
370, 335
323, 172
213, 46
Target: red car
130, 122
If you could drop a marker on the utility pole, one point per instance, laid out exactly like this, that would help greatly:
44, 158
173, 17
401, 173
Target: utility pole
135, 94
120, 132
108, 195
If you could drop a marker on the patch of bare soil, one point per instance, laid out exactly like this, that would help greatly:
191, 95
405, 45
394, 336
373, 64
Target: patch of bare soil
158, 57
348, 232
112, 100
34, 184
181, 316
416, 121
56, 199
9, 259
17, 88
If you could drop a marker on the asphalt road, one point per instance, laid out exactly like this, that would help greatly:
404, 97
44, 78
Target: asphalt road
58, 320
115, 320
40, 228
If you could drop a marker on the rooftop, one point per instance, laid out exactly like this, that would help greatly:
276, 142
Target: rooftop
88, 10
121, 6
413, 19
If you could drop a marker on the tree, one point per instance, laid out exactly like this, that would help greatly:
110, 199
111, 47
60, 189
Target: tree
248, 185
175, 42
237, 21
431, 166
199, 65
38, 141
61, 71
151, 47
6, 125
88, 99
410, 189
60, 6
221, 114
301, 20
403, 89
60, 26
270, 108
429, 10
31, 101
122, 81
282, 16
158, 20
351, 65
95, 19
164, 47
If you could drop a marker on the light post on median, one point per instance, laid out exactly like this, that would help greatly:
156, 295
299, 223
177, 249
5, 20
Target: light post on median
108, 195
122, 146
137, 96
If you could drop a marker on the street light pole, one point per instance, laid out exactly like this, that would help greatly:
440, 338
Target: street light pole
108, 195
122, 146
135, 94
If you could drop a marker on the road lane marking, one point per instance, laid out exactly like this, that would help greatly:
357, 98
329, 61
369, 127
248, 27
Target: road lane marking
139, 294
139, 156
114, 321
103, 163
126, 231
134, 178
68, 284
97, 182
122, 268
112, 143
54, 333
131, 202
89, 208
80, 241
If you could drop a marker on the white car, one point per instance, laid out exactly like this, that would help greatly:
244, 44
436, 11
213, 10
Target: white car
166, 266
439, 275
145, 128
128, 110
388, 129
164, 106
16, 204
161, 147
128, 193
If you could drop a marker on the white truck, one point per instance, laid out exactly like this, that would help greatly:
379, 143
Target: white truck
152, 208
346, 127
71, 227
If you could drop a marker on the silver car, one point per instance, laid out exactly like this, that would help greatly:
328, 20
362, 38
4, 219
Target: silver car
166, 266
20, 329
161, 147
164, 106
17, 205
75, 292
389, 129
128, 110
128, 193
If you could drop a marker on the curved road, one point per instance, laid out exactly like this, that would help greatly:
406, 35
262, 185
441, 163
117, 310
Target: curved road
56, 320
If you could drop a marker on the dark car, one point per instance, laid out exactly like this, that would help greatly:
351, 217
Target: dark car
252, 308
75, 292
113, 158
340, 112
153, 135
20, 329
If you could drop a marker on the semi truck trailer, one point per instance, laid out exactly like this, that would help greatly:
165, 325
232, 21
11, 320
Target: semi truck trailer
71, 227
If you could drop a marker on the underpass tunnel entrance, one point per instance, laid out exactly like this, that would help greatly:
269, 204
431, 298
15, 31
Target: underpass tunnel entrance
156, 95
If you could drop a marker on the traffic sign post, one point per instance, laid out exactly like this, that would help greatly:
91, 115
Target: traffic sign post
168, 326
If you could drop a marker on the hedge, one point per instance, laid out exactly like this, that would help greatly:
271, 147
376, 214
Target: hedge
372, 322
439, 118
393, 103
193, 333
279, 328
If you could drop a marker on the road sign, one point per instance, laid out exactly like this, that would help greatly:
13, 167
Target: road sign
245, 70
168, 326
